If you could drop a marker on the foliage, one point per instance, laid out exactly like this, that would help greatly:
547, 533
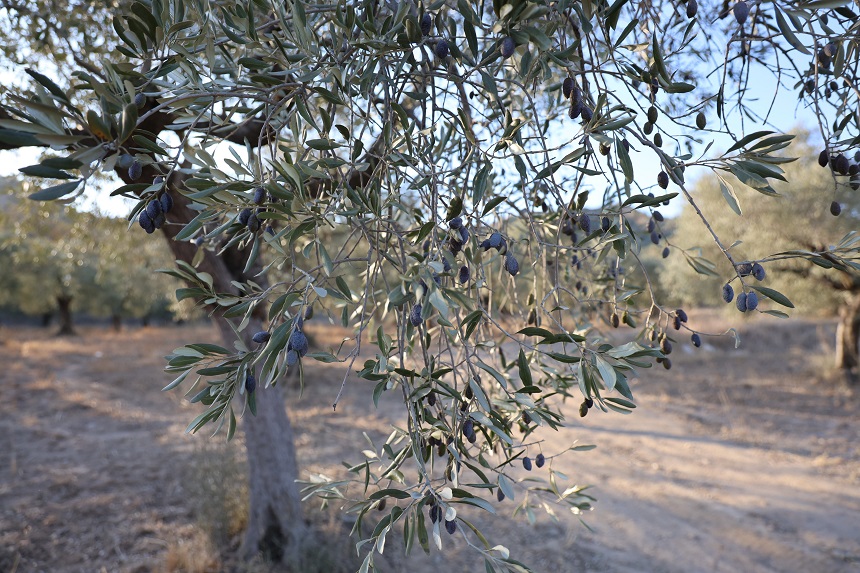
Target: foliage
798, 218
126, 272
51, 255
55, 251
428, 174
66, 32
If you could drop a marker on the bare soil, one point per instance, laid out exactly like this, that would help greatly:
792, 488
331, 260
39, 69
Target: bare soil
735, 460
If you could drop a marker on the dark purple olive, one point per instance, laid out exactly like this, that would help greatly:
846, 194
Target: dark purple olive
508, 47
741, 12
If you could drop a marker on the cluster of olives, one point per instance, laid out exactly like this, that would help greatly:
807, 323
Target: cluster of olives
586, 405
155, 214
578, 106
666, 349
648, 127
654, 234
745, 301
455, 244
540, 460
297, 345
825, 58
248, 217
437, 513
583, 221
617, 320
809, 85
680, 318
841, 165
441, 48
663, 341
497, 242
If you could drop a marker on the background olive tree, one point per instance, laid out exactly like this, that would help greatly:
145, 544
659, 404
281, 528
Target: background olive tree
794, 220
60, 261
464, 185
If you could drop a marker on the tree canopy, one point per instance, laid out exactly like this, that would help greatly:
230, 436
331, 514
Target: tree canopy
459, 184
58, 256
794, 220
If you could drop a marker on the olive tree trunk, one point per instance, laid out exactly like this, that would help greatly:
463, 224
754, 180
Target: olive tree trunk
276, 527
848, 337
64, 306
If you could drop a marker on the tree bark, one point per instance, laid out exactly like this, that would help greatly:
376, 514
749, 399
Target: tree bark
64, 305
276, 528
848, 338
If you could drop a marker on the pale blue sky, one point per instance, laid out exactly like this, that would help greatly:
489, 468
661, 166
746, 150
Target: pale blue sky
785, 115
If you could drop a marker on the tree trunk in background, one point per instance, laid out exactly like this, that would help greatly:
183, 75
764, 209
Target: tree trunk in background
47, 317
848, 338
116, 323
64, 305
144, 321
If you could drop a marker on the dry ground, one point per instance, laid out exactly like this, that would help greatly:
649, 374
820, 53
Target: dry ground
736, 460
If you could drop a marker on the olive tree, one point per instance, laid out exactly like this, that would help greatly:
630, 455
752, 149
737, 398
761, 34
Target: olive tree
61, 260
128, 283
455, 182
52, 264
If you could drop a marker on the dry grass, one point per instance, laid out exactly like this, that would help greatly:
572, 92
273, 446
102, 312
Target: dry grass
217, 491
194, 555
216, 487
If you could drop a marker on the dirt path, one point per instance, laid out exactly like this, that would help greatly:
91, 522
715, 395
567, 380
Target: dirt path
86, 447
736, 460
672, 498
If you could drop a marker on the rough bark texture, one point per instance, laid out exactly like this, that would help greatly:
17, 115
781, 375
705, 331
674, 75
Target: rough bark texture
848, 338
848, 328
64, 305
276, 528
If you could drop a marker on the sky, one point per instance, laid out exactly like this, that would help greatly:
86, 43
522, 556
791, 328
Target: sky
785, 116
